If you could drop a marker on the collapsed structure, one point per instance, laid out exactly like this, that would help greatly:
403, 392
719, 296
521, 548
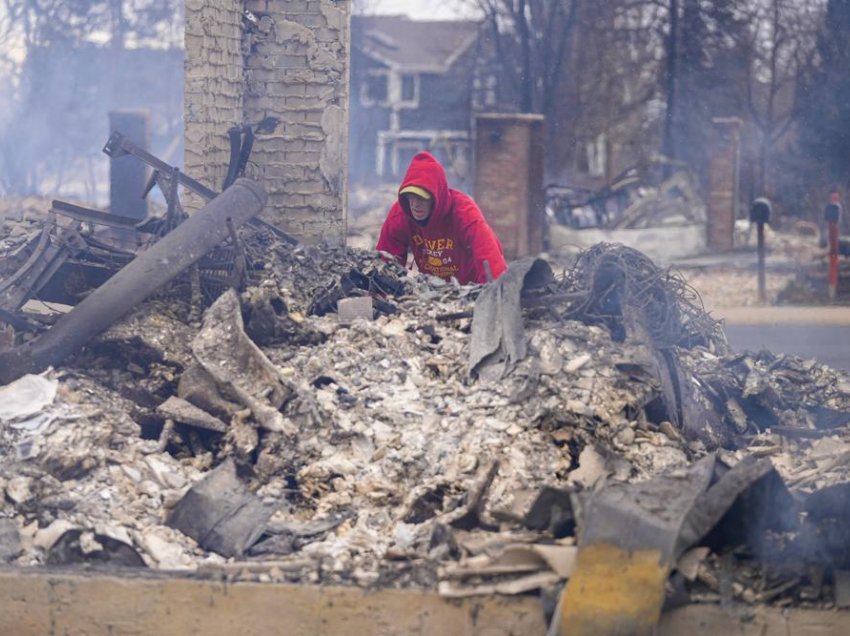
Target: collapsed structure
466, 439
664, 216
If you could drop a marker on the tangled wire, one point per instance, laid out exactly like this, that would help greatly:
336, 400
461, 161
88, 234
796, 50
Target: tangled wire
621, 285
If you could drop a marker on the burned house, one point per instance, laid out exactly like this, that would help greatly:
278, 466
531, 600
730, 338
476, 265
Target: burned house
212, 443
415, 86
472, 447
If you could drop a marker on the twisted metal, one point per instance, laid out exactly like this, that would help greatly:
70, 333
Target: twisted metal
621, 285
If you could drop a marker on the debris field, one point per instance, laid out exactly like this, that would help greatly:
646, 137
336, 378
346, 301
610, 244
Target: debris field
325, 416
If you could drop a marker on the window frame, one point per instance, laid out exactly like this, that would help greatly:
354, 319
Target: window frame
366, 99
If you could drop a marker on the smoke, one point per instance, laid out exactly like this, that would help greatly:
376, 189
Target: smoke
56, 123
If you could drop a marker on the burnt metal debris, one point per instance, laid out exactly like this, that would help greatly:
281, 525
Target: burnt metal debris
632, 536
354, 282
367, 453
137, 280
639, 197
220, 513
65, 262
118, 145
168, 177
241, 144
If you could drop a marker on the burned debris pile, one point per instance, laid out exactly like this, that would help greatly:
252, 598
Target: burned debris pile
663, 216
635, 199
463, 438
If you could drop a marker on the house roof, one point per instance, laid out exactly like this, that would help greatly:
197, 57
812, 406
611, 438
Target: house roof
416, 45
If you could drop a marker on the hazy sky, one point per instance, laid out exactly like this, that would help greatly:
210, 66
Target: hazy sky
420, 9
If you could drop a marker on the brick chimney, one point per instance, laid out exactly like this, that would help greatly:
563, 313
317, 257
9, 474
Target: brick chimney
724, 165
509, 179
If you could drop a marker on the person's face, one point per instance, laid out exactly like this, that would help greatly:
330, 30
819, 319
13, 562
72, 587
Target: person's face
420, 209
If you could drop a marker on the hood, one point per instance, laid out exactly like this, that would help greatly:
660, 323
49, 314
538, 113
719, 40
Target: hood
426, 172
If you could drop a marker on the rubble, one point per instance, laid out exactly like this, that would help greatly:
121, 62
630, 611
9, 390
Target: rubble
148, 272
366, 453
639, 197
664, 216
220, 514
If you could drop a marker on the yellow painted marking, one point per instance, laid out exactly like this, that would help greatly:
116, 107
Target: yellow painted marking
613, 593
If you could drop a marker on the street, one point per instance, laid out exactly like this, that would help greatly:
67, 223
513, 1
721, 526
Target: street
829, 344
822, 333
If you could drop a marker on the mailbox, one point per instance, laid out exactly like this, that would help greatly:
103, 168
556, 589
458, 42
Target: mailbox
760, 211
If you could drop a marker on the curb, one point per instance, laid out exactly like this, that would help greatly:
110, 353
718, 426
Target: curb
827, 315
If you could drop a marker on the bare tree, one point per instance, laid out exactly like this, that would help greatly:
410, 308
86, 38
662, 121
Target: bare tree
531, 40
608, 100
671, 50
783, 40
707, 51
49, 22
592, 68
622, 78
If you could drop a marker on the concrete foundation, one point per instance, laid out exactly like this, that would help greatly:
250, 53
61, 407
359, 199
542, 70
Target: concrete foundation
41, 602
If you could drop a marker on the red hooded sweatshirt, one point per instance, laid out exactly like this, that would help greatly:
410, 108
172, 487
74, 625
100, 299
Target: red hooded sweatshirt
455, 240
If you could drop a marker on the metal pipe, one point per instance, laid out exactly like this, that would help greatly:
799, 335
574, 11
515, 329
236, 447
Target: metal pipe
146, 274
760, 214
833, 260
761, 276
833, 215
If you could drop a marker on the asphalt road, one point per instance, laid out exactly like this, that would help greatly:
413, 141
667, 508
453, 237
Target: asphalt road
822, 333
828, 344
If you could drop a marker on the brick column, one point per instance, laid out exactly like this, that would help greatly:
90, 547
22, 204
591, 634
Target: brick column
213, 92
509, 179
291, 62
724, 165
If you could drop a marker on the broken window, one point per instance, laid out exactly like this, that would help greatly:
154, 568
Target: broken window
374, 89
409, 88
597, 155
484, 92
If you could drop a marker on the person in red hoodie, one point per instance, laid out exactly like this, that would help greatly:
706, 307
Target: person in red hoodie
443, 227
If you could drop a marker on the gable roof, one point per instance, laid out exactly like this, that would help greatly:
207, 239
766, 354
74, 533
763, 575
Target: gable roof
413, 45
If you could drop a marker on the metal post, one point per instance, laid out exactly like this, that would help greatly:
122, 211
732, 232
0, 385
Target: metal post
833, 214
127, 177
761, 276
760, 214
